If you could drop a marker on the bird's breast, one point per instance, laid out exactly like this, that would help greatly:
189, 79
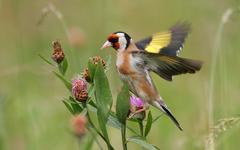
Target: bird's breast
124, 65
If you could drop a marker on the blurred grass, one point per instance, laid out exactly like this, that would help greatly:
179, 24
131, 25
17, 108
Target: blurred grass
31, 113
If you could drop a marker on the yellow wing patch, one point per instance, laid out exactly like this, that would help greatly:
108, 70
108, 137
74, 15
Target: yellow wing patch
159, 40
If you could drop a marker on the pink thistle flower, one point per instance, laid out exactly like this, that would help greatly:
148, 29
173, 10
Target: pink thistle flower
79, 89
136, 102
78, 124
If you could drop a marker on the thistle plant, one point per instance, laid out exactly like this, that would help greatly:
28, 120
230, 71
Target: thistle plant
90, 102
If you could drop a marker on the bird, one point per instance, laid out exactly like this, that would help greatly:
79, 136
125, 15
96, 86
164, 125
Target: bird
157, 53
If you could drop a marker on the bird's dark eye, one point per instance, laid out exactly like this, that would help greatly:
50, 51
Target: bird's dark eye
113, 40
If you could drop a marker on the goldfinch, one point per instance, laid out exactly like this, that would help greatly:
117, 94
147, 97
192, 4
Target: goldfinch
157, 53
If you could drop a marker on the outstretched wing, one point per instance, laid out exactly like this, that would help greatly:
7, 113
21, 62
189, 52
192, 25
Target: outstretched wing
168, 66
166, 43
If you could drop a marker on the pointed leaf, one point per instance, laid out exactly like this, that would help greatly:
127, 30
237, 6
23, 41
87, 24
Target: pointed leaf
46, 60
102, 120
68, 106
92, 69
113, 122
123, 104
77, 109
149, 124
66, 83
63, 66
91, 90
142, 142
103, 98
102, 88
154, 120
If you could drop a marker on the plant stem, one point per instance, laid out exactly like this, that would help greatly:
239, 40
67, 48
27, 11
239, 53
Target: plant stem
215, 53
96, 130
95, 138
124, 142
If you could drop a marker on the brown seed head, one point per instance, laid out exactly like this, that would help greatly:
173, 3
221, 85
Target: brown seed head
86, 75
97, 59
58, 54
81, 96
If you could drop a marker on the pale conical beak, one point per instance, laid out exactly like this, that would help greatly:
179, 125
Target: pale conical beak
106, 45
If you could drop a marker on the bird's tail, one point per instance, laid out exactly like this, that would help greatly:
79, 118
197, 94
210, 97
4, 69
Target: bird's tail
163, 107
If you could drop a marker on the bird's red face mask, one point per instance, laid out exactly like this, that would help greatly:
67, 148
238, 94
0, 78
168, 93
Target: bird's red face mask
113, 41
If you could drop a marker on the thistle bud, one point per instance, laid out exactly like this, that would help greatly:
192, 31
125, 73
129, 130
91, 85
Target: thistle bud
79, 89
58, 54
86, 75
79, 124
136, 104
98, 59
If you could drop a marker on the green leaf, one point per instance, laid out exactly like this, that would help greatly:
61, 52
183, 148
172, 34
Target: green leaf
123, 105
77, 109
91, 90
46, 60
149, 124
140, 141
63, 66
102, 120
154, 120
113, 122
68, 106
103, 98
92, 70
102, 88
66, 83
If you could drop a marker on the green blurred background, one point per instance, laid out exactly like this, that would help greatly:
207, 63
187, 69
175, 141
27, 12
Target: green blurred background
32, 115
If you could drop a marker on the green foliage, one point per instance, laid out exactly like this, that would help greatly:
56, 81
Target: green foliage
65, 82
63, 66
68, 106
100, 100
149, 124
92, 69
140, 141
123, 105
46, 60
103, 98
102, 88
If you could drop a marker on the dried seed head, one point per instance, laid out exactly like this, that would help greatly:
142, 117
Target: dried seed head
58, 54
81, 96
79, 124
79, 89
86, 75
98, 59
